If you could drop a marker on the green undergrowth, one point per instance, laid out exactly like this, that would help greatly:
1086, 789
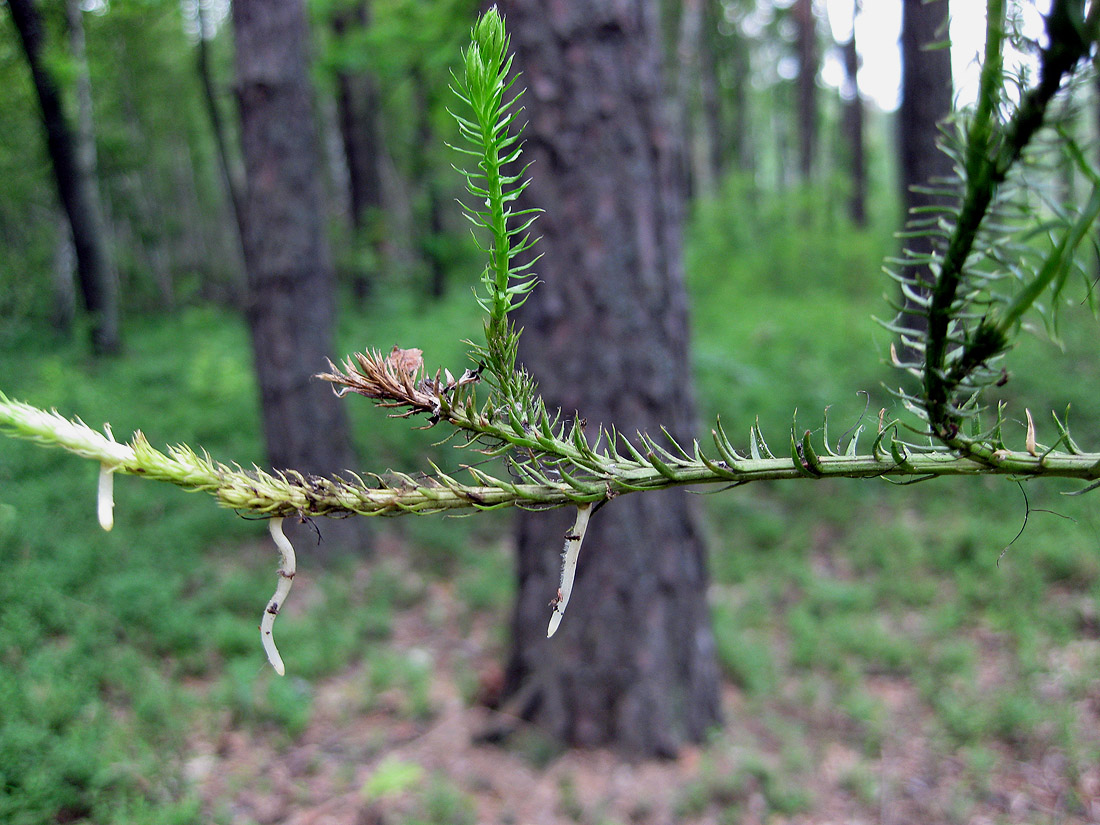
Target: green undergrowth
826, 592
114, 647
101, 633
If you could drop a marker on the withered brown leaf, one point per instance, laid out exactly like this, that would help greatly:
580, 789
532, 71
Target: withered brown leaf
405, 361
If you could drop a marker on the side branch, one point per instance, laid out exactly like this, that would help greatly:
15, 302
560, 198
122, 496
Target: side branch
993, 149
289, 493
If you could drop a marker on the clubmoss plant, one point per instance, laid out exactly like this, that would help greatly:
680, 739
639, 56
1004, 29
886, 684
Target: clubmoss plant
983, 279
488, 125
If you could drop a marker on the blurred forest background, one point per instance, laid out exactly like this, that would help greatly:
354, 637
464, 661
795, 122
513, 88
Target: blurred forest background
877, 658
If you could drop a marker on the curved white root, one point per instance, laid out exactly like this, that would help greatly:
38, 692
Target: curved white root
286, 578
105, 503
569, 555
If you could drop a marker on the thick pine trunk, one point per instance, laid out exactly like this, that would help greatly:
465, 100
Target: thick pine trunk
76, 185
606, 334
926, 93
291, 301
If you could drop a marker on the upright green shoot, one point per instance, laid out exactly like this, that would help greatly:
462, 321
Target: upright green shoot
488, 127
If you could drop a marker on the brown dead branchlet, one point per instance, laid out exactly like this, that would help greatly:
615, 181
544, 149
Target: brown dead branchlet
397, 380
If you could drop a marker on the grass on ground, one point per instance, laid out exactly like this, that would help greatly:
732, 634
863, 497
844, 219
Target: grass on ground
879, 648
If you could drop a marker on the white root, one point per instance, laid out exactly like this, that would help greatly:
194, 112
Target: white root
286, 578
105, 503
570, 553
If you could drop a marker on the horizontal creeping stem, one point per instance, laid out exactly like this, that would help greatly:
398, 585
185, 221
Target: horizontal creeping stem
291, 493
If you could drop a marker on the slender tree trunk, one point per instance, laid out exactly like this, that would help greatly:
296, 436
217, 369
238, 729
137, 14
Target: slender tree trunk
808, 64
709, 97
1096, 123
357, 103
687, 96
76, 185
926, 93
741, 149
781, 134
424, 176
697, 95
853, 130
633, 663
230, 179
290, 305
86, 155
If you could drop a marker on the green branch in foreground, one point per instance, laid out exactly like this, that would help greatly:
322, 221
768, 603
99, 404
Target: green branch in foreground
993, 149
290, 493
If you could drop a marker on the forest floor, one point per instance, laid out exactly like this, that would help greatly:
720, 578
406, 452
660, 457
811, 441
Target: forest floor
384, 756
886, 660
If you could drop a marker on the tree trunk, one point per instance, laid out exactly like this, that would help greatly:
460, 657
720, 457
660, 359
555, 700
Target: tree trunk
697, 96
290, 305
687, 94
76, 185
633, 664
808, 61
357, 105
357, 102
1096, 125
742, 150
230, 179
853, 129
426, 178
926, 93
709, 96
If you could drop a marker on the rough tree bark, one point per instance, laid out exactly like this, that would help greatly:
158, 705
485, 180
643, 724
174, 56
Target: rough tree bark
290, 304
926, 94
76, 185
633, 664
